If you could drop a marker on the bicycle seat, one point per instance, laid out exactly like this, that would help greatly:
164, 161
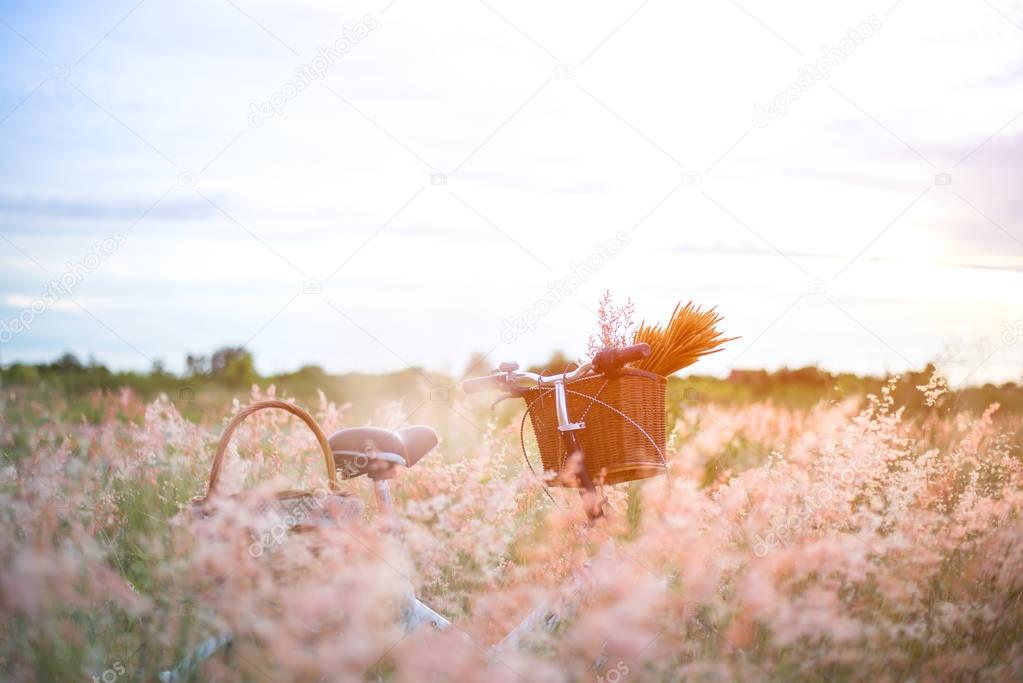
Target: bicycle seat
377, 452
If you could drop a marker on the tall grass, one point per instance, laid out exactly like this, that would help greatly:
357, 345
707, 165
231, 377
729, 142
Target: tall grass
845, 541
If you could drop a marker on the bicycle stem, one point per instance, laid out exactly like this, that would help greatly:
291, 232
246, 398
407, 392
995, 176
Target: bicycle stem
561, 407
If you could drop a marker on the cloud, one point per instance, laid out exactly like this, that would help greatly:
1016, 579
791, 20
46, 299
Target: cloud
180, 206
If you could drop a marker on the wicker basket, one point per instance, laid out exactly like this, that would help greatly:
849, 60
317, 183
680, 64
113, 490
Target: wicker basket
624, 436
326, 507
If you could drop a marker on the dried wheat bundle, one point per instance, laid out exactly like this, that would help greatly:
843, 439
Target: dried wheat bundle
691, 333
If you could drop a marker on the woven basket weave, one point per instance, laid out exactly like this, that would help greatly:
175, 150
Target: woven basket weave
624, 436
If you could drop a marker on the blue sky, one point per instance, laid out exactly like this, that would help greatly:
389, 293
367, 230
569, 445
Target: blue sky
451, 161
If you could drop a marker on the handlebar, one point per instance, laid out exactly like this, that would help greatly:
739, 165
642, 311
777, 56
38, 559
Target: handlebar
489, 383
605, 361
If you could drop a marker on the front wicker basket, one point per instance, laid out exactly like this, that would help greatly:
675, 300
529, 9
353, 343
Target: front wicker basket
624, 436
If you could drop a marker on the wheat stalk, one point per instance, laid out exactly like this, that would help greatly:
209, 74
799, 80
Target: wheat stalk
691, 333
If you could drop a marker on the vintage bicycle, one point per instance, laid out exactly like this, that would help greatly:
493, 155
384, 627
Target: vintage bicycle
600, 423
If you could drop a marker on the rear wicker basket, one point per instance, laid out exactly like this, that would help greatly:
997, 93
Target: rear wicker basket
303, 510
624, 436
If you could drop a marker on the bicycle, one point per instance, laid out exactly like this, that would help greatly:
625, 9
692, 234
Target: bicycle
378, 453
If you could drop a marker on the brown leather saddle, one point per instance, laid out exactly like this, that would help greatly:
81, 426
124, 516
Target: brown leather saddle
378, 452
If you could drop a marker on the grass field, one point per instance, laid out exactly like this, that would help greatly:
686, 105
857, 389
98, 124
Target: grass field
804, 534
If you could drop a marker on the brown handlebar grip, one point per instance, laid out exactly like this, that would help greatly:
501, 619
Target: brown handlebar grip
611, 359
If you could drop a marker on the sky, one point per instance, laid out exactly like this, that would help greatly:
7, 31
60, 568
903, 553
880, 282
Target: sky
371, 185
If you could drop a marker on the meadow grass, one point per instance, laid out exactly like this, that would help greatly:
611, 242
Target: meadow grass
844, 538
